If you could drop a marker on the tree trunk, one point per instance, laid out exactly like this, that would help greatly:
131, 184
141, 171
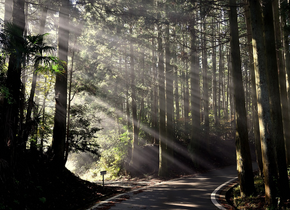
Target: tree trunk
169, 98
227, 90
162, 126
10, 141
282, 79
195, 96
70, 98
154, 95
214, 83
205, 87
134, 105
253, 91
275, 106
244, 163
220, 81
59, 130
127, 91
286, 34
265, 124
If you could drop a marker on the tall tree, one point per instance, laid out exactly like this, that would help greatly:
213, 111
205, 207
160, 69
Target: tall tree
34, 82
154, 109
10, 140
194, 94
284, 5
205, 78
265, 124
221, 64
282, 78
244, 163
169, 95
161, 81
134, 105
253, 91
214, 78
275, 101
59, 130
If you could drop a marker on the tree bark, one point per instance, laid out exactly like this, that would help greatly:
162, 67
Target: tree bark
286, 34
205, 86
219, 106
195, 95
275, 106
214, 80
10, 141
59, 130
169, 98
244, 163
282, 79
254, 94
265, 124
134, 105
162, 126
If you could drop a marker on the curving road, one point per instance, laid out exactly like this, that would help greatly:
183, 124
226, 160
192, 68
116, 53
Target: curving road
184, 193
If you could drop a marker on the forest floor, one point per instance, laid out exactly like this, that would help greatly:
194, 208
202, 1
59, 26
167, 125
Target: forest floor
255, 201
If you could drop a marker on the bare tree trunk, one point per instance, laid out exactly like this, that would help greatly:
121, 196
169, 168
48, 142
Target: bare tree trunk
134, 105
154, 95
286, 34
70, 98
227, 91
276, 111
220, 81
214, 80
244, 162
59, 130
169, 98
265, 124
205, 87
11, 144
282, 80
253, 93
195, 96
162, 126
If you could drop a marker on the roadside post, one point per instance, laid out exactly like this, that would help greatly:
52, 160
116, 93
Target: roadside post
103, 174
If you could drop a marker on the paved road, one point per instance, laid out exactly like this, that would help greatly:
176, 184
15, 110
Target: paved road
185, 193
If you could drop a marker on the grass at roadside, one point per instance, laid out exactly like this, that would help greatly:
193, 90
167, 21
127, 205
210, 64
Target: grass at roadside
255, 201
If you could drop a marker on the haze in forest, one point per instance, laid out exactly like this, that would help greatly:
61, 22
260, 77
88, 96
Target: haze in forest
146, 87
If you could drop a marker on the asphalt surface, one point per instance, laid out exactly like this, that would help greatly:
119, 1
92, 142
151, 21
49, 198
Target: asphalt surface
184, 193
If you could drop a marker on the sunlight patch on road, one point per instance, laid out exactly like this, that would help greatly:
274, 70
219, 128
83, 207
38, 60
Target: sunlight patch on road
189, 205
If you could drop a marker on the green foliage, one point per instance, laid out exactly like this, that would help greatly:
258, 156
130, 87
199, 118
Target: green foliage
253, 201
4, 92
21, 46
113, 151
42, 199
3, 207
82, 130
31, 46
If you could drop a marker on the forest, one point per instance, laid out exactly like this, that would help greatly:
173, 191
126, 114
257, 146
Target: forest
136, 87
